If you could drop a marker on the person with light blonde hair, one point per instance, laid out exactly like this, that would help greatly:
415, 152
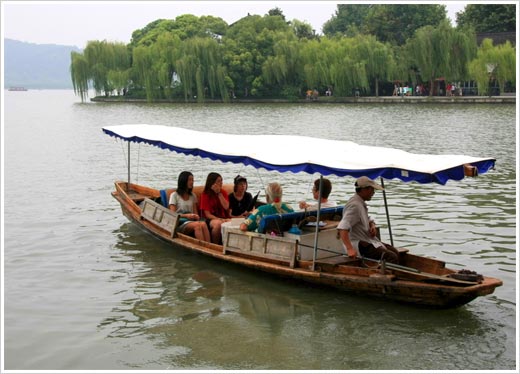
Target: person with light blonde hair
274, 193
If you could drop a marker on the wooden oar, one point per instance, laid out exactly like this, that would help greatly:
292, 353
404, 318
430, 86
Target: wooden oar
413, 273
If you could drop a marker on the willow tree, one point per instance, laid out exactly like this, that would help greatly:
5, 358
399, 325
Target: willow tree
493, 62
348, 68
336, 63
317, 58
283, 68
377, 56
154, 65
142, 66
247, 45
441, 51
506, 64
200, 69
94, 64
80, 74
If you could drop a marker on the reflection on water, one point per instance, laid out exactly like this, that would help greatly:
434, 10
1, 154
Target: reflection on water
208, 315
84, 289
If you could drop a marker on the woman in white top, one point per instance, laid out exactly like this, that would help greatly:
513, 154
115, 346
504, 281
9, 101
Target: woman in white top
184, 202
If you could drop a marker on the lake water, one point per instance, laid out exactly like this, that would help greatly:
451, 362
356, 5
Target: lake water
86, 290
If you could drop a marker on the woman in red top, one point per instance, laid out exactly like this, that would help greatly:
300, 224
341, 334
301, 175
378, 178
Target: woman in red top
214, 203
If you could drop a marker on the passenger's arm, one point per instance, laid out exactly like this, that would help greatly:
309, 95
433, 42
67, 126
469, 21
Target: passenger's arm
223, 201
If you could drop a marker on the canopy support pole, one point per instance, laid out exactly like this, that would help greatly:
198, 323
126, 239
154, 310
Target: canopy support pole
317, 224
387, 214
128, 166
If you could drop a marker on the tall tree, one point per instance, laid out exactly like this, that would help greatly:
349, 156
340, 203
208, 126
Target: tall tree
377, 57
396, 23
488, 17
284, 66
200, 68
335, 63
347, 17
247, 45
94, 64
493, 63
393, 23
80, 74
441, 51
303, 30
184, 27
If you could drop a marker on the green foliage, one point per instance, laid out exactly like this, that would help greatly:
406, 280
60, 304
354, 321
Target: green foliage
247, 45
303, 30
80, 74
200, 68
488, 17
98, 58
184, 27
265, 56
493, 63
348, 17
393, 23
441, 51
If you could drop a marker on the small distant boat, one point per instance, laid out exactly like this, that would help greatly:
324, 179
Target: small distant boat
315, 255
17, 89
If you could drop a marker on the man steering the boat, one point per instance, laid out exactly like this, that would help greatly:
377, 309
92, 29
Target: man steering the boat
358, 231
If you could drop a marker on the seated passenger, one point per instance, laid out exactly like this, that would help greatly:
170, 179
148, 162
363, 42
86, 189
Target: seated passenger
274, 206
325, 203
240, 201
214, 203
184, 202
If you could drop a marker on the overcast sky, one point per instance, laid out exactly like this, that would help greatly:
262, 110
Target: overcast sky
77, 22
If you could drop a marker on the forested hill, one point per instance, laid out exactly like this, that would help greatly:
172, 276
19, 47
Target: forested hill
37, 65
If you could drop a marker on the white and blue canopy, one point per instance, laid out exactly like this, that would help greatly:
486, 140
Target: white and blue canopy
304, 154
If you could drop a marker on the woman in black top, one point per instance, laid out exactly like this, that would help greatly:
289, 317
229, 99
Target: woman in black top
240, 201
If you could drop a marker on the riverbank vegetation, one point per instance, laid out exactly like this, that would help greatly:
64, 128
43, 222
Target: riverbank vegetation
364, 50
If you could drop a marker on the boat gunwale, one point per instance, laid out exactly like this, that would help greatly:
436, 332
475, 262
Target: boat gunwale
302, 269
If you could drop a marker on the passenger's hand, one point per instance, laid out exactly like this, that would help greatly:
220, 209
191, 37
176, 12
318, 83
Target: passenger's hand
215, 188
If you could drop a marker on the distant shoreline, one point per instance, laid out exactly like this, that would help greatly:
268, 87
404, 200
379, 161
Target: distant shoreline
504, 99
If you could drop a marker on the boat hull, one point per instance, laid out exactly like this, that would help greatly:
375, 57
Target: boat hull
432, 288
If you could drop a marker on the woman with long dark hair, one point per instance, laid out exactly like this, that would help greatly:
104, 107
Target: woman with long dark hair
184, 202
214, 203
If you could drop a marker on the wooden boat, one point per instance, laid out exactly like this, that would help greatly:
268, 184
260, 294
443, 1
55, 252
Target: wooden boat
315, 255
